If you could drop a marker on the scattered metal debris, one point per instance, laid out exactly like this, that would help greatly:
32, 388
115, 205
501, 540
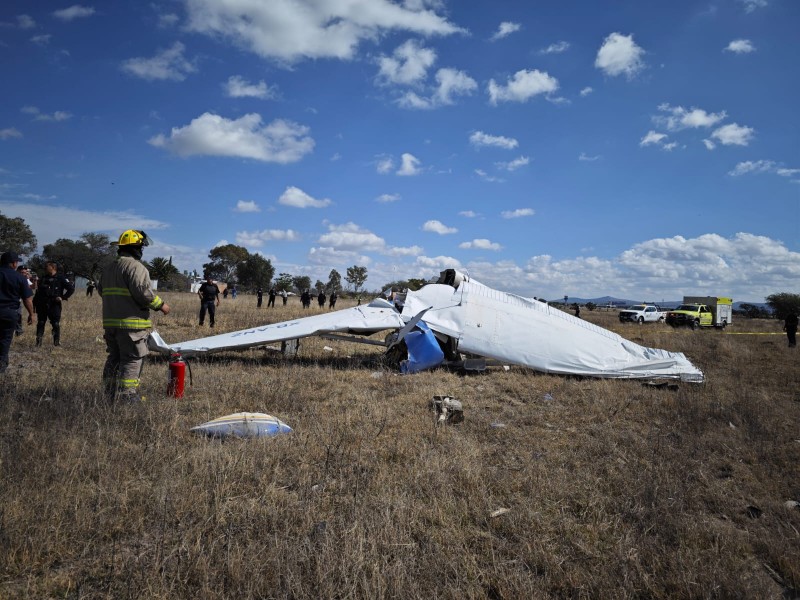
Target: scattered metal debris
243, 425
448, 410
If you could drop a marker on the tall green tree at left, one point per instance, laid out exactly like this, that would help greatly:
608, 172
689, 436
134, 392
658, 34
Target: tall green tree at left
85, 256
16, 236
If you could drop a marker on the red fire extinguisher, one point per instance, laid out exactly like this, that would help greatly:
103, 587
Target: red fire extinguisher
177, 376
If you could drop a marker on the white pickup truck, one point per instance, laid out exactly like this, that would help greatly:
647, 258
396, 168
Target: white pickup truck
642, 313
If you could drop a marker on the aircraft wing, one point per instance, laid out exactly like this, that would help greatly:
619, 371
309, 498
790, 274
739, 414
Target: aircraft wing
378, 315
523, 331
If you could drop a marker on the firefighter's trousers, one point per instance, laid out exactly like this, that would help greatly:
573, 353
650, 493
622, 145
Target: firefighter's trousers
126, 351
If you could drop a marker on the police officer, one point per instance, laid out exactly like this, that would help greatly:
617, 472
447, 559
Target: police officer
52, 290
128, 298
209, 294
13, 288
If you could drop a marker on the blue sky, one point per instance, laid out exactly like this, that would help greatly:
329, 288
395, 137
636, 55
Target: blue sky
641, 149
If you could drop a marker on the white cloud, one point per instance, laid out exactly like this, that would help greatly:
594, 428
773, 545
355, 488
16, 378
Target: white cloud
680, 118
523, 86
435, 226
619, 55
518, 213
556, 48
168, 64
257, 239
384, 165
505, 29
486, 177
470, 214
762, 166
9, 132
740, 47
292, 31
653, 137
480, 244
238, 87
670, 146
449, 83
246, 137
328, 257
514, 164
25, 22
41, 40
709, 144
410, 165
479, 139
351, 237
59, 115
297, 198
586, 91
585, 157
167, 20
76, 11
386, 198
734, 134
408, 64
751, 5
247, 206
50, 222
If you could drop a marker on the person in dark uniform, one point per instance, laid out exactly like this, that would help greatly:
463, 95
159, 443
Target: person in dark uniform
13, 288
52, 290
260, 296
305, 299
332, 301
209, 300
790, 327
272, 294
321, 299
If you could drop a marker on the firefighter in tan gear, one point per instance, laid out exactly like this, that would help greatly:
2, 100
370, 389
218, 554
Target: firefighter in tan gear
128, 298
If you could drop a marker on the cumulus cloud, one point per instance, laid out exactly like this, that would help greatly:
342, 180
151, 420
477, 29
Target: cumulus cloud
409, 165
480, 244
518, 213
751, 5
76, 11
505, 29
449, 83
585, 157
258, 238
762, 166
247, 206
523, 86
297, 198
167, 65
470, 214
586, 91
246, 137
479, 139
513, 165
740, 47
619, 55
25, 22
556, 48
386, 198
238, 87
290, 32
678, 117
41, 40
734, 134
384, 164
408, 64
9, 132
435, 226
351, 237
486, 177
59, 115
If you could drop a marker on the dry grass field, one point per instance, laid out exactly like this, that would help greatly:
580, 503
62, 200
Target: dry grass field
613, 489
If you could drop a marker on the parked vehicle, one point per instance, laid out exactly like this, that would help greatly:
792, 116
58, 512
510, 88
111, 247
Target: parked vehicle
702, 311
641, 313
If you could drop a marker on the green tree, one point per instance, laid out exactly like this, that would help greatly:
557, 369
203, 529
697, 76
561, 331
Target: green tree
284, 282
301, 282
334, 282
161, 269
319, 286
255, 272
85, 256
356, 276
16, 236
225, 261
405, 284
591, 305
783, 303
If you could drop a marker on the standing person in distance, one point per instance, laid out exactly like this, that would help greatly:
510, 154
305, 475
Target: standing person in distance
259, 296
13, 288
272, 294
209, 300
53, 289
790, 327
321, 299
332, 300
128, 298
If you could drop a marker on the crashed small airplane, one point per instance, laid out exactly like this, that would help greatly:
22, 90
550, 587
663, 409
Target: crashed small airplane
458, 316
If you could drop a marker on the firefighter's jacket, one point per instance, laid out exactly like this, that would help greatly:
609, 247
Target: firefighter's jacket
128, 296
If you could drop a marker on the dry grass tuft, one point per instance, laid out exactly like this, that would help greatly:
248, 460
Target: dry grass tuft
612, 489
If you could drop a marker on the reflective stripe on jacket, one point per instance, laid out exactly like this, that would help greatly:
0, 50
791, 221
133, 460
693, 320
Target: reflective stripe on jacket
128, 296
